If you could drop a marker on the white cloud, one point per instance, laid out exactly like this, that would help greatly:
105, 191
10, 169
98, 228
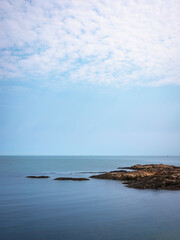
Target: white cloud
120, 42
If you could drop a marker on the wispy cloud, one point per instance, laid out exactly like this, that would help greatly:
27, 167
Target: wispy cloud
120, 42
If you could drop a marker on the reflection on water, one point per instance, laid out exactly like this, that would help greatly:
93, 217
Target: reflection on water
100, 209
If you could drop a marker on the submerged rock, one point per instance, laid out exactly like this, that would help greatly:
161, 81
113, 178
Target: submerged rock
38, 177
150, 176
73, 179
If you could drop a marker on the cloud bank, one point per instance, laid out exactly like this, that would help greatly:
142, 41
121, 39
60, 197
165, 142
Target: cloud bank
48, 43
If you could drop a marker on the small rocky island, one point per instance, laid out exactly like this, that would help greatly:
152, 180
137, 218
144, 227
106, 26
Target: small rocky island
38, 177
150, 176
71, 179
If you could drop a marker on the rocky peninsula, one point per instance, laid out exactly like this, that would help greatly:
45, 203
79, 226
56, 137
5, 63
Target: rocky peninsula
150, 176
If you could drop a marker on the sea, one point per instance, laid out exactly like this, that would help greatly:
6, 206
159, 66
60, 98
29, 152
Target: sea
45, 209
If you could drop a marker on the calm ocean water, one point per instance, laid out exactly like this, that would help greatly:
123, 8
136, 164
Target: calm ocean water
44, 209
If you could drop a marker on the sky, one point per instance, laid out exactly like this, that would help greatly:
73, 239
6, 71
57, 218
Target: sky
95, 77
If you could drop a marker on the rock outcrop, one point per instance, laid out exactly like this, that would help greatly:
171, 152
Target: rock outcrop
38, 177
73, 179
150, 176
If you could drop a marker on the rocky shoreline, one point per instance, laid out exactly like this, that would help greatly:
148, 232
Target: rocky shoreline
150, 176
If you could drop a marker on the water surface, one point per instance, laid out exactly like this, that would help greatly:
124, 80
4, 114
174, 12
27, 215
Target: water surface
66, 210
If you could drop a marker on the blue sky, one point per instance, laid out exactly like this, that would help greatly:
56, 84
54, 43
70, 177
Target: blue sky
90, 77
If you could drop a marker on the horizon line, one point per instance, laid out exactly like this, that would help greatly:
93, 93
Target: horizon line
88, 155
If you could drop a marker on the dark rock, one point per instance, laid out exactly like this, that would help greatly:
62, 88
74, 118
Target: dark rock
73, 179
91, 172
149, 166
150, 176
38, 177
